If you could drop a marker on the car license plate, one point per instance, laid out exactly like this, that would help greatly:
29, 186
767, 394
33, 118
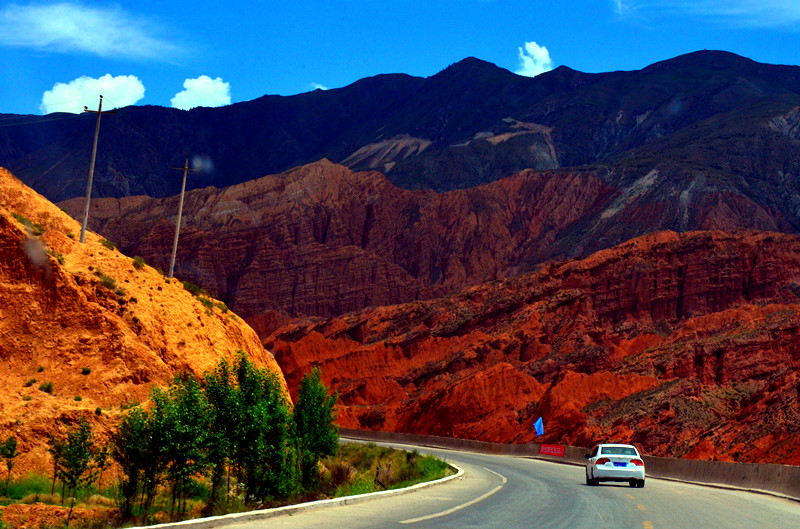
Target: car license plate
620, 464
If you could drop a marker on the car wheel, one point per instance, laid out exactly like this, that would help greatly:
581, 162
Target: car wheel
641, 484
633, 483
589, 481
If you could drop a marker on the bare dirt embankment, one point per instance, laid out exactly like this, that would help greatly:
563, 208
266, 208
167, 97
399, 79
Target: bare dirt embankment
101, 330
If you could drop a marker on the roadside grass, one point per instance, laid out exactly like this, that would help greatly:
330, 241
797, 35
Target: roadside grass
376, 468
35, 488
356, 469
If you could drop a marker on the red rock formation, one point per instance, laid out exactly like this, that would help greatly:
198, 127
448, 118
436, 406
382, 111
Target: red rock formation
686, 344
60, 315
322, 240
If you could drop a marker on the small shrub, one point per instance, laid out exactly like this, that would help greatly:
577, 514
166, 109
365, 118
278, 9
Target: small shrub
30, 382
40, 369
78, 398
59, 257
27, 397
98, 411
47, 387
133, 300
108, 244
159, 287
108, 282
41, 497
85, 371
138, 262
119, 291
71, 235
97, 499
194, 289
34, 228
207, 303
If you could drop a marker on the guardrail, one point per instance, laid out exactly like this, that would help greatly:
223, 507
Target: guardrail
779, 480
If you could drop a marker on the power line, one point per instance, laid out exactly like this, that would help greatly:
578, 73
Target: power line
35, 122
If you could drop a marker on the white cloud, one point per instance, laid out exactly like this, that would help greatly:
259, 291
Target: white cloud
70, 27
533, 60
317, 86
119, 91
623, 7
743, 13
202, 92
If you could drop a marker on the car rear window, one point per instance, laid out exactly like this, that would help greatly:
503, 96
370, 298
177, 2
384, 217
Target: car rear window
618, 451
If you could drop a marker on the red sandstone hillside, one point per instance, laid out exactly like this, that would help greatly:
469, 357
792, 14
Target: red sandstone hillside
322, 240
686, 344
57, 319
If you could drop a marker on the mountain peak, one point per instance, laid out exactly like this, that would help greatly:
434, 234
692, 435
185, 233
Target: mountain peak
472, 66
711, 59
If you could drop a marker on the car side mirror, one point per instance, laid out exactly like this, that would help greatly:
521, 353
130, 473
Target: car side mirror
586, 456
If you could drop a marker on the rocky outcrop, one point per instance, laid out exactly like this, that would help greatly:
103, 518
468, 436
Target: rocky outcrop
84, 318
686, 344
322, 240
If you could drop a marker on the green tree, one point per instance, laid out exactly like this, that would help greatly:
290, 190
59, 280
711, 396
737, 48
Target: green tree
131, 449
182, 415
75, 468
101, 459
56, 450
316, 434
226, 414
263, 454
8, 451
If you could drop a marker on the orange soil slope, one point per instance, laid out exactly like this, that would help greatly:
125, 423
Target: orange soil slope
686, 344
57, 321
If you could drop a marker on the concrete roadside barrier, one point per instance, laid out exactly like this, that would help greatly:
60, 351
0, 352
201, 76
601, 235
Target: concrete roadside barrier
778, 480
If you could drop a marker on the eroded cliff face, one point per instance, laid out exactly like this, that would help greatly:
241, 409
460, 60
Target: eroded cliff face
102, 345
322, 240
686, 344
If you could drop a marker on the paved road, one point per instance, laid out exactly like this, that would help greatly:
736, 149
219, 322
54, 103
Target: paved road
507, 492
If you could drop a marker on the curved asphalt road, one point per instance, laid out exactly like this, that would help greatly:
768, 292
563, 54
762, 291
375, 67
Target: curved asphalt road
508, 492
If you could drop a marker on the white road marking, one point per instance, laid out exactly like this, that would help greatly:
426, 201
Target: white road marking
463, 505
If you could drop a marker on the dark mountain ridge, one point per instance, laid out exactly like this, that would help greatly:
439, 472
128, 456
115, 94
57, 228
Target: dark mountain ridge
471, 123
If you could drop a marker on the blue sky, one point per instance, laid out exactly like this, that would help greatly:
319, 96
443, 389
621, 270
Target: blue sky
61, 55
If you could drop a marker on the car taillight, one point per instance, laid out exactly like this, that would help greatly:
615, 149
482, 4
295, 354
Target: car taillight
637, 462
603, 461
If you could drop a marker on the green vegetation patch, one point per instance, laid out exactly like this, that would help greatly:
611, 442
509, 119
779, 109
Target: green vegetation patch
363, 468
59, 257
35, 229
108, 244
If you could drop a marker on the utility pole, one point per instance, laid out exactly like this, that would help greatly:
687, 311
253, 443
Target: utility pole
186, 170
99, 113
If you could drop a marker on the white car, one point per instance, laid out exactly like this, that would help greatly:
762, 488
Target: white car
614, 462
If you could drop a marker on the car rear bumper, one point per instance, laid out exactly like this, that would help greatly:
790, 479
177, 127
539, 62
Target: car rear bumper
618, 474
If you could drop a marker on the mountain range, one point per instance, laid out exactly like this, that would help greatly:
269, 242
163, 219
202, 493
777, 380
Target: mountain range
693, 116
467, 252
